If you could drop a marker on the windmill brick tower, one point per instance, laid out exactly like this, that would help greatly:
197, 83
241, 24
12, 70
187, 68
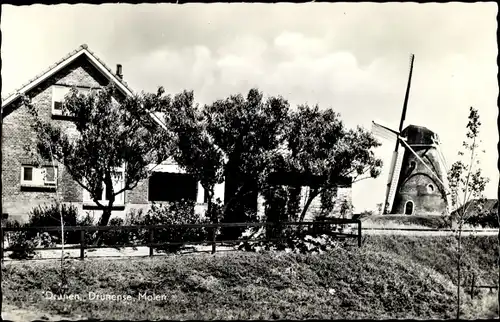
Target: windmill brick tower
421, 189
418, 181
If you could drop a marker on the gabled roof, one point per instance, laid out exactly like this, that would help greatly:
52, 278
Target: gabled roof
83, 50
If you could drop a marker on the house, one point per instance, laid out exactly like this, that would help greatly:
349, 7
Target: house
479, 212
25, 186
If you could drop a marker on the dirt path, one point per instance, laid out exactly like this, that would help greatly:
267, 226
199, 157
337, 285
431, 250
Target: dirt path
410, 232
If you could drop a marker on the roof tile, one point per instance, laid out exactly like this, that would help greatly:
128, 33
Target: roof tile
81, 47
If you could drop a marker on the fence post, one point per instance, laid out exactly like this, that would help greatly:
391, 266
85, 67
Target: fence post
82, 244
1, 241
151, 239
472, 286
359, 233
214, 236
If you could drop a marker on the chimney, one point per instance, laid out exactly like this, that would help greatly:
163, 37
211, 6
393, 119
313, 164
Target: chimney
119, 71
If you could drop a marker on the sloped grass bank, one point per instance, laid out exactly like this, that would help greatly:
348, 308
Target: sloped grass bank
402, 221
479, 253
390, 277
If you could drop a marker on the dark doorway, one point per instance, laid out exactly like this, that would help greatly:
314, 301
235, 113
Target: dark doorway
409, 207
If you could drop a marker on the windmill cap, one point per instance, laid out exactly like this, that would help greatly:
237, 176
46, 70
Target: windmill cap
419, 135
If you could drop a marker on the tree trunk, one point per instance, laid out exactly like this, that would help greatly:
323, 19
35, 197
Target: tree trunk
106, 214
314, 193
213, 217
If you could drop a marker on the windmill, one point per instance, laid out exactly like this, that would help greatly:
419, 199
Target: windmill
417, 179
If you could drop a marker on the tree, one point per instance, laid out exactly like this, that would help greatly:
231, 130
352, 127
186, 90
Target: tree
318, 145
467, 185
111, 132
194, 150
249, 131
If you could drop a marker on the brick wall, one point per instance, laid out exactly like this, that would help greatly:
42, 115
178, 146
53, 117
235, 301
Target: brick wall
18, 138
418, 184
139, 195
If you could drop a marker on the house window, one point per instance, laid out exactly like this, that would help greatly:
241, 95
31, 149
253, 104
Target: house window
118, 184
58, 95
32, 176
167, 186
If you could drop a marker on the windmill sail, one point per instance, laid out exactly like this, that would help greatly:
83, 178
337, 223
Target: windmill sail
397, 160
395, 172
384, 132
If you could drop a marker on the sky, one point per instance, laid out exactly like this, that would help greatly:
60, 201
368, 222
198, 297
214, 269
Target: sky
353, 58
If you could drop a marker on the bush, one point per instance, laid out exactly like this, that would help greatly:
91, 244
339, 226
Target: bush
119, 238
293, 242
174, 213
50, 215
485, 220
43, 216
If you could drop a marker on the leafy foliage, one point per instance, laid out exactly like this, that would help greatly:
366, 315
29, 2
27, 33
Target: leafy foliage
110, 132
195, 151
45, 216
318, 145
173, 213
466, 184
249, 130
465, 176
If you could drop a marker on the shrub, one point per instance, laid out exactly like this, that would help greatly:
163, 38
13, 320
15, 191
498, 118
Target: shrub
115, 238
133, 237
23, 247
50, 215
43, 216
292, 242
364, 214
485, 220
175, 213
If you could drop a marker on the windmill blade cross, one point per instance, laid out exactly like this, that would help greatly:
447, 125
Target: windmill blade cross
398, 156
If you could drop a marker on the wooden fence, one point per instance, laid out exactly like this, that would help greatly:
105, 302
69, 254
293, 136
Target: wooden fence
315, 226
473, 287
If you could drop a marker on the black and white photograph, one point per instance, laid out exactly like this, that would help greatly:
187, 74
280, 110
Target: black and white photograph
249, 161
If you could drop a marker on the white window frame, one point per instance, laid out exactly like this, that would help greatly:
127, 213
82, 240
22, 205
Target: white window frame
119, 185
59, 92
38, 177
201, 195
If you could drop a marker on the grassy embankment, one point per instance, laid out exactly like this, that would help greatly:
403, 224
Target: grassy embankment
404, 221
389, 277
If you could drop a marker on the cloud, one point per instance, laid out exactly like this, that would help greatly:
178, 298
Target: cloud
353, 58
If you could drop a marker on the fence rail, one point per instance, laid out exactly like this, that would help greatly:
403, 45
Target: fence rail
474, 287
316, 226
483, 230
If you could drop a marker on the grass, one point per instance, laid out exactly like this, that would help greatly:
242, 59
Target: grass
405, 221
390, 277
